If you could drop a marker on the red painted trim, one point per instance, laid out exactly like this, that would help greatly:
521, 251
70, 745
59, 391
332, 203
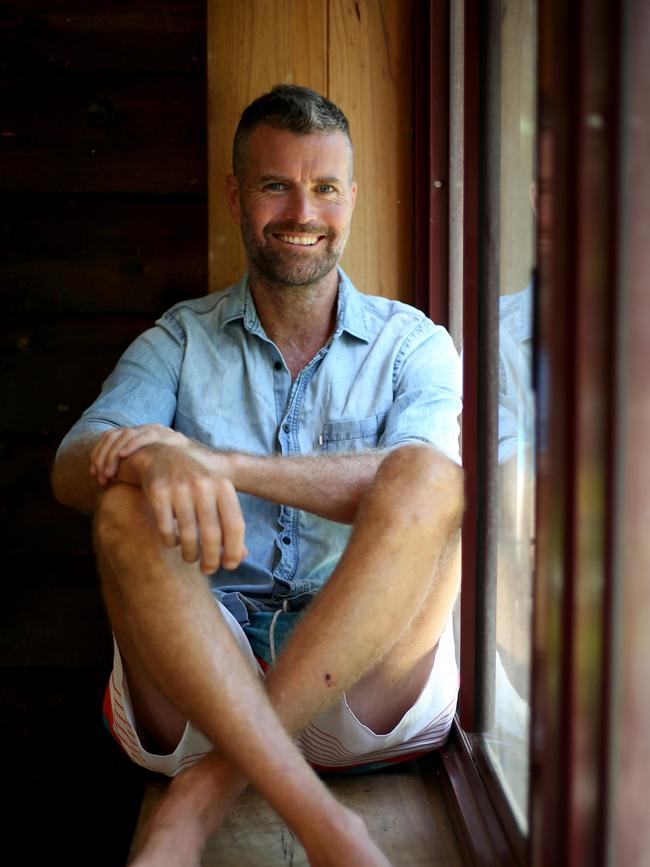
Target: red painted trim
579, 85
431, 158
475, 822
471, 421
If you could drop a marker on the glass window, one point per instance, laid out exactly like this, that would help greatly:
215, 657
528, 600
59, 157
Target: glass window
508, 279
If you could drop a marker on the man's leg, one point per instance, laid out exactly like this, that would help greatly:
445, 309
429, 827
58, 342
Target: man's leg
163, 611
372, 630
389, 570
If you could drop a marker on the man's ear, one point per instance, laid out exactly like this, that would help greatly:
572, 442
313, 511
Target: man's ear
353, 190
232, 195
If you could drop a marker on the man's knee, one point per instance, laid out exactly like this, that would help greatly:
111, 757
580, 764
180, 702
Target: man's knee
417, 482
120, 512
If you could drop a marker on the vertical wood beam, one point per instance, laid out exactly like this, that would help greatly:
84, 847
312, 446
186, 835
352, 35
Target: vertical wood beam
252, 45
371, 77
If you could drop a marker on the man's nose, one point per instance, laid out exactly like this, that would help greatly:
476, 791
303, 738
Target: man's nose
300, 206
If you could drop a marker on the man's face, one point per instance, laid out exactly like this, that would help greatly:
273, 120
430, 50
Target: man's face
293, 202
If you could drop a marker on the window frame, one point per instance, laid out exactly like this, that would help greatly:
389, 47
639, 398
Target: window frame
579, 83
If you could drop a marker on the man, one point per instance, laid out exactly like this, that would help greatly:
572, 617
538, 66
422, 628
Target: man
224, 460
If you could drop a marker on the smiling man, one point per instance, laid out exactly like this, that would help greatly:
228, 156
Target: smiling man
273, 471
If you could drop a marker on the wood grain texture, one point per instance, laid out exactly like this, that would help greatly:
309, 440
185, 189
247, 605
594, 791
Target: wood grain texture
101, 254
252, 45
401, 807
93, 132
51, 368
75, 35
359, 54
370, 63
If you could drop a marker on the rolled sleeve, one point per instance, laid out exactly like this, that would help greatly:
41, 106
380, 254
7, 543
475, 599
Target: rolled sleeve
427, 392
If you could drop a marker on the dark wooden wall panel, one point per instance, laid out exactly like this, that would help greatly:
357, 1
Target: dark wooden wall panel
95, 254
51, 368
31, 518
103, 226
104, 221
117, 133
146, 35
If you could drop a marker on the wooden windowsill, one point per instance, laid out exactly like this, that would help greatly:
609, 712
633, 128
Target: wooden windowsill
403, 808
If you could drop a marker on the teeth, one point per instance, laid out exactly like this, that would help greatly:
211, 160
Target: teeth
302, 240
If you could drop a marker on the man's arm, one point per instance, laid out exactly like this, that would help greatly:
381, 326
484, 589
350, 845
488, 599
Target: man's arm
194, 507
191, 489
72, 483
330, 486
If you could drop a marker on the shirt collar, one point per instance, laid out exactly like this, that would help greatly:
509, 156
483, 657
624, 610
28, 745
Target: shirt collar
240, 305
350, 316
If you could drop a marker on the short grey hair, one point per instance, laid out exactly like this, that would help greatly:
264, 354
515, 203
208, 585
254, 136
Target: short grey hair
292, 107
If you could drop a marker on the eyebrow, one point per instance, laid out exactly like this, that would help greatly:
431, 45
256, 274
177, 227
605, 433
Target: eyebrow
265, 179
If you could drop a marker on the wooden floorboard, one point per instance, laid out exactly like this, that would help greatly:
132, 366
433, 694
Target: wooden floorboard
402, 807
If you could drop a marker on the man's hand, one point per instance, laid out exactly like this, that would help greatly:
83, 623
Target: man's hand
194, 506
116, 444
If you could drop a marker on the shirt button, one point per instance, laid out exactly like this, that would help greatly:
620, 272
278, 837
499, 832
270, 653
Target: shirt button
286, 540
278, 365
286, 428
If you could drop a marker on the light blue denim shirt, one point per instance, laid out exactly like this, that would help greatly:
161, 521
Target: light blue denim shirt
387, 376
516, 396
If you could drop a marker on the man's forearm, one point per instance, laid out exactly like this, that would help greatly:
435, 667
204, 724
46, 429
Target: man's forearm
72, 482
331, 486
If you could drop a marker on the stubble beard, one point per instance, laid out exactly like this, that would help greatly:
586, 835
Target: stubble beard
289, 268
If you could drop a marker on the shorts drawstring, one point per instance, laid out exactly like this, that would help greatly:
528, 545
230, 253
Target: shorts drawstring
284, 609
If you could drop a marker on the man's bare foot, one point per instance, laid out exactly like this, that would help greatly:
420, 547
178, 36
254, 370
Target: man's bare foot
347, 843
192, 809
196, 804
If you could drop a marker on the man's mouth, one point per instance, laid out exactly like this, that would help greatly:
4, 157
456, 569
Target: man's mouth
299, 240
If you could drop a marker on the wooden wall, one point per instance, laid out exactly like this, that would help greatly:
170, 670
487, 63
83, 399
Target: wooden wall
360, 55
103, 225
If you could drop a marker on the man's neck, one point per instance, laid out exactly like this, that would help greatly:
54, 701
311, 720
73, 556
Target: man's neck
298, 319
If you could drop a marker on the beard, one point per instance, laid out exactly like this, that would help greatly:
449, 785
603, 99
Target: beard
291, 267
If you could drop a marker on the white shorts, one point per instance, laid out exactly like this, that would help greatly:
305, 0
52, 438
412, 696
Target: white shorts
336, 740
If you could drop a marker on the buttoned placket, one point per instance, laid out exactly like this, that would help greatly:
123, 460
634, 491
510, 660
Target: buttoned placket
289, 399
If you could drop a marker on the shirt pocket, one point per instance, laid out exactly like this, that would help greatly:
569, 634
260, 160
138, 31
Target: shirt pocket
352, 434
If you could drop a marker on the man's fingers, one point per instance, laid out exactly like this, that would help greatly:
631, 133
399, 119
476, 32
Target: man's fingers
209, 528
100, 452
114, 445
188, 531
232, 525
136, 441
161, 504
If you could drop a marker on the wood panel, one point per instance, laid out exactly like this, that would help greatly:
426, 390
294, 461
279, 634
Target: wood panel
359, 54
252, 45
52, 368
29, 514
370, 63
63, 596
102, 132
77, 35
93, 254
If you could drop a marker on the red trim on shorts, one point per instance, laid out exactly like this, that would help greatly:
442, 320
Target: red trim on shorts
107, 712
393, 760
263, 663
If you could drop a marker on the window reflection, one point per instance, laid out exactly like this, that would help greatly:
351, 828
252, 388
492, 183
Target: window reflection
511, 138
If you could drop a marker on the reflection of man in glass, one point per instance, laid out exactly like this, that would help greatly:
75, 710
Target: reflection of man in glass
516, 448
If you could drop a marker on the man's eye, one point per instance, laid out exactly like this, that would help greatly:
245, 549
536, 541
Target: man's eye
325, 188
275, 186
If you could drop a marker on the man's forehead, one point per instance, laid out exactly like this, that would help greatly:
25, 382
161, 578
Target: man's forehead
273, 149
